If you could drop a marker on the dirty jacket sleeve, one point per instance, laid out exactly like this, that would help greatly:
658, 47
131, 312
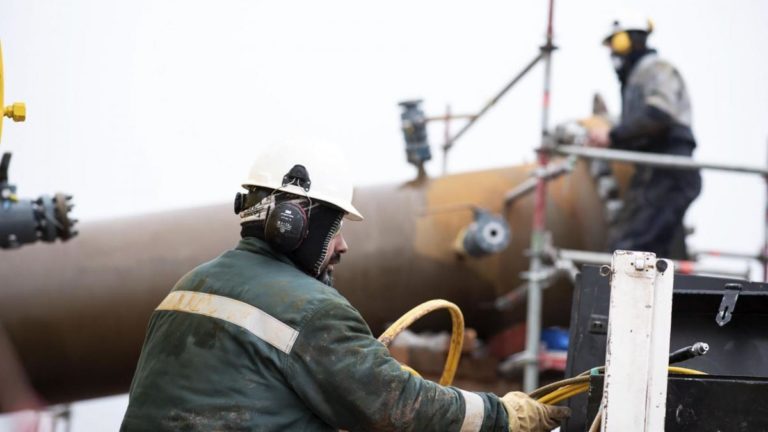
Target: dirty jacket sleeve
349, 380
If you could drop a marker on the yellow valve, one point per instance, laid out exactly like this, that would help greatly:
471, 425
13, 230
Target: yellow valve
17, 112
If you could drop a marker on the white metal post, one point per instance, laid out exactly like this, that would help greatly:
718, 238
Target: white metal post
637, 355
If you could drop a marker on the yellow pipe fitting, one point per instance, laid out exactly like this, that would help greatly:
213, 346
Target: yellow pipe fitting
17, 111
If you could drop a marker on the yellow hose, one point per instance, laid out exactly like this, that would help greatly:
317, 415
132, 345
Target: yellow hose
570, 390
560, 394
685, 371
457, 334
564, 393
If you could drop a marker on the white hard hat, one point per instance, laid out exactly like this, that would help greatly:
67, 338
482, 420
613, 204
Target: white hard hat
325, 164
629, 20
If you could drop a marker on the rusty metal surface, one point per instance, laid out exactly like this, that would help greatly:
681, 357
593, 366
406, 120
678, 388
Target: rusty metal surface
403, 254
77, 312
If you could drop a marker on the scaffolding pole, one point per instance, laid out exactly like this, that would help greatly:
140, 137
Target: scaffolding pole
673, 162
450, 141
472, 119
533, 315
655, 159
552, 172
759, 257
681, 266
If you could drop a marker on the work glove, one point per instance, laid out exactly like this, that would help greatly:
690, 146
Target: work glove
595, 122
528, 415
598, 130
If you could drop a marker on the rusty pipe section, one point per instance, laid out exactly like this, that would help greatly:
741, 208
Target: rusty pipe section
75, 313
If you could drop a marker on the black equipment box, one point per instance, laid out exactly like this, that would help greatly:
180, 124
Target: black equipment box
738, 350
706, 403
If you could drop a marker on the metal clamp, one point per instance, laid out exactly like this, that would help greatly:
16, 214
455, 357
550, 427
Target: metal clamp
728, 303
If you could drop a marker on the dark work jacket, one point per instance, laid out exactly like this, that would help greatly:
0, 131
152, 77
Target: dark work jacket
248, 342
655, 118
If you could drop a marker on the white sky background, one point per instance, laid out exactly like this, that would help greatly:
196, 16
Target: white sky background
141, 106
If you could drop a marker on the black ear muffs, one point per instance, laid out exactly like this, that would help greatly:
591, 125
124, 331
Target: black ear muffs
240, 199
286, 227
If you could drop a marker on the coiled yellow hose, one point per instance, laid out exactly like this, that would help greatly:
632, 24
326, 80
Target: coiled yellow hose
457, 334
549, 394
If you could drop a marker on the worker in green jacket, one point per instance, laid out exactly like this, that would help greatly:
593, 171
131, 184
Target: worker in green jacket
259, 340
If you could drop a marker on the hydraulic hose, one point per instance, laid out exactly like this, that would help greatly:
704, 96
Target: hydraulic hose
559, 391
549, 394
457, 333
549, 388
564, 389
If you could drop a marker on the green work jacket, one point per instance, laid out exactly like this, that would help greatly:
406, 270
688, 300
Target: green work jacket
248, 342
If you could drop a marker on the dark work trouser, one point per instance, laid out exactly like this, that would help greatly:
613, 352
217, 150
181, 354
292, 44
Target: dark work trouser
654, 207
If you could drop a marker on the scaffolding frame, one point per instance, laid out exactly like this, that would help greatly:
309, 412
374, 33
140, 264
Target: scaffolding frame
538, 233
562, 257
539, 276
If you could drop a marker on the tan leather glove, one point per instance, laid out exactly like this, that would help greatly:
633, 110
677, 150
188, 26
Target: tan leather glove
598, 127
595, 122
528, 415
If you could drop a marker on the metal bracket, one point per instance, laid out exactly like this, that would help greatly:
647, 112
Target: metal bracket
728, 303
598, 324
546, 275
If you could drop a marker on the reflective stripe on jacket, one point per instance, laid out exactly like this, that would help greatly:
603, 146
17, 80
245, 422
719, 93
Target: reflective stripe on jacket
249, 342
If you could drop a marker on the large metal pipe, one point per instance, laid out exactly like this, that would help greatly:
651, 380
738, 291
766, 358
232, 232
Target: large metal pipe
76, 312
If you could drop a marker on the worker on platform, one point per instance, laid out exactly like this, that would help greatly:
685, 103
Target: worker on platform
655, 118
258, 338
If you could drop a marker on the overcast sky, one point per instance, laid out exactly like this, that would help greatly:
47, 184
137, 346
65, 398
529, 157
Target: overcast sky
142, 105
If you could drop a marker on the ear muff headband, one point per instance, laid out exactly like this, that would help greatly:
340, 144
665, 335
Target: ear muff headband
621, 43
